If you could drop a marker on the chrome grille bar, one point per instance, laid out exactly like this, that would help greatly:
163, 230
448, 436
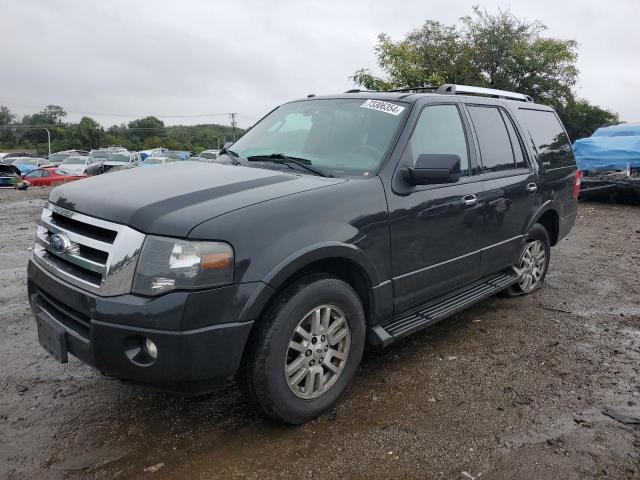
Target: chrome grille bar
98, 266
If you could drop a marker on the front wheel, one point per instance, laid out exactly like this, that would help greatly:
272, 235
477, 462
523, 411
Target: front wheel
533, 262
305, 351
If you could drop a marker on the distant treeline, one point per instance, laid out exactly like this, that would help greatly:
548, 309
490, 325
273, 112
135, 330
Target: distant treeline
140, 134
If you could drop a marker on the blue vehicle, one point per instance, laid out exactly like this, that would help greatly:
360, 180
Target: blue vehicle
610, 163
27, 164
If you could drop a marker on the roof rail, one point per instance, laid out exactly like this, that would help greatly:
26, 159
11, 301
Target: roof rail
451, 89
430, 88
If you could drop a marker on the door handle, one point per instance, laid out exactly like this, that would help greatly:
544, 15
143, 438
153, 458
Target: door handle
469, 200
532, 188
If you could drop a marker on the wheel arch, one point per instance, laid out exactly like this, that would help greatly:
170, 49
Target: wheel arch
547, 215
343, 261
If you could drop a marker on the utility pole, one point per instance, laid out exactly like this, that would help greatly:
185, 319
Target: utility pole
233, 124
48, 139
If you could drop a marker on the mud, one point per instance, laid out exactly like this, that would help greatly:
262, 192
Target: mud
511, 388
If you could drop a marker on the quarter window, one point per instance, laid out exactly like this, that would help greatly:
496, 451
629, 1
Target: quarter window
549, 138
439, 130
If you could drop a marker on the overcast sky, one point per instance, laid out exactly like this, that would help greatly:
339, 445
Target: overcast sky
189, 58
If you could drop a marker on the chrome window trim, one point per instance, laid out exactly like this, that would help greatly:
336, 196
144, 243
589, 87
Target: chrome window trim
122, 255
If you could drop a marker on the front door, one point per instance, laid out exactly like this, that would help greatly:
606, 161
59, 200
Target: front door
432, 227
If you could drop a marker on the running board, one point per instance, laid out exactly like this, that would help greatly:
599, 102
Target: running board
442, 307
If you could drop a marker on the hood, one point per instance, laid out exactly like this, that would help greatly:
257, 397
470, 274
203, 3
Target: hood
174, 199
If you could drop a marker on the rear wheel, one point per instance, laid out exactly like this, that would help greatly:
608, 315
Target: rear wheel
305, 351
533, 262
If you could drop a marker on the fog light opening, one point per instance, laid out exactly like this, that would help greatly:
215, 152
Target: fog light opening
150, 349
141, 351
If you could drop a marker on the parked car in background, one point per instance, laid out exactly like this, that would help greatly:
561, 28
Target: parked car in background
206, 156
9, 174
76, 164
153, 152
27, 164
610, 163
209, 154
105, 160
58, 157
153, 161
48, 176
4, 157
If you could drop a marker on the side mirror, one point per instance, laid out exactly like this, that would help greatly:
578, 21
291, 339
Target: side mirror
227, 145
433, 168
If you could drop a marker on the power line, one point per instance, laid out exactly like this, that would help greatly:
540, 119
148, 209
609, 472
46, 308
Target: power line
129, 115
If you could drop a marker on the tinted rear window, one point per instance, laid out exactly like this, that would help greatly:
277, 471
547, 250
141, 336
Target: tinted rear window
548, 137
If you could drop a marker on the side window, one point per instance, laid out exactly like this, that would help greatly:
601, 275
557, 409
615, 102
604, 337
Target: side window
439, 130
515, 141
46, 173
493, 138
549, 138
34, 174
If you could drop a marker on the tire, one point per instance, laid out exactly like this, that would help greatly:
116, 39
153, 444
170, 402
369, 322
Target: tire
262, 376
538, 235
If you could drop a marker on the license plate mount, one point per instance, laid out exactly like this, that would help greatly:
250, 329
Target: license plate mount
52, 338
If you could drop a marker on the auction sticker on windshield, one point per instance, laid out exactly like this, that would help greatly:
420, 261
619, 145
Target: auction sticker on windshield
386, 107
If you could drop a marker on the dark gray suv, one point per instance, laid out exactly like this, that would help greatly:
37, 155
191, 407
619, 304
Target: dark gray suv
334, 222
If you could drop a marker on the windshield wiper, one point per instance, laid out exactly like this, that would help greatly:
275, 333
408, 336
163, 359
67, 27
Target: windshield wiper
283, 159
231, 154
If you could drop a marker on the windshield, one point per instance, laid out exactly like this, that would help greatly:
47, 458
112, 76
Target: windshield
57, 157
74, 161
119, 157
341, 136
209, 155
24, 161
99, 154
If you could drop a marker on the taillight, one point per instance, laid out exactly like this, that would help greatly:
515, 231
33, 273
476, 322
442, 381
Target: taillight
576, 184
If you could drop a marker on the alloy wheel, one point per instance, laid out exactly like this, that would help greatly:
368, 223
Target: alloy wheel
534, 264
318, 351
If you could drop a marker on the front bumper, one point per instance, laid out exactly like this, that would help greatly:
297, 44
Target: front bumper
200, 335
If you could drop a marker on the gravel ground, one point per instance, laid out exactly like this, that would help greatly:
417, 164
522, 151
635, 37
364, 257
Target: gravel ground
511, 388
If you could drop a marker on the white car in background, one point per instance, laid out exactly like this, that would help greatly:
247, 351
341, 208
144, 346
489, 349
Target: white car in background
76, 165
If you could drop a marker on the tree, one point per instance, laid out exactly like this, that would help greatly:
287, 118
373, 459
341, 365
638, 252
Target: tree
143, 128
581, 118
6, 116
496, 51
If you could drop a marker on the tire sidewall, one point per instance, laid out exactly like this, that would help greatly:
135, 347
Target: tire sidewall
328, 291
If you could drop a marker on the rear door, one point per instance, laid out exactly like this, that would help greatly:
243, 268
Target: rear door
510, 189
433, 227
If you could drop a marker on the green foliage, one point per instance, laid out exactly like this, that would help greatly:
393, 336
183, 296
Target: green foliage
487, 50
581, 118
140, 134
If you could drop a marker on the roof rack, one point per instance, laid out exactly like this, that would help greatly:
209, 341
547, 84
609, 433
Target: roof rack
430, 88
451, 89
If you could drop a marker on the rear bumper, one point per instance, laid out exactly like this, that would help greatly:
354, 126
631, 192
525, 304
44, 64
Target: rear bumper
199, 335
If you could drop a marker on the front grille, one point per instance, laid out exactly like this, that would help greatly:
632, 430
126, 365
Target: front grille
86, 229
94, 254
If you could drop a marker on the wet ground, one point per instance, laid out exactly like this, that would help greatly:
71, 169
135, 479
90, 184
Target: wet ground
511, 388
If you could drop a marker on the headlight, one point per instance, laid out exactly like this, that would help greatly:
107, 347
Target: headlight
171, 264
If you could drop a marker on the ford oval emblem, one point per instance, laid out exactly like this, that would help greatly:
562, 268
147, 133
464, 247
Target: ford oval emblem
60, 243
